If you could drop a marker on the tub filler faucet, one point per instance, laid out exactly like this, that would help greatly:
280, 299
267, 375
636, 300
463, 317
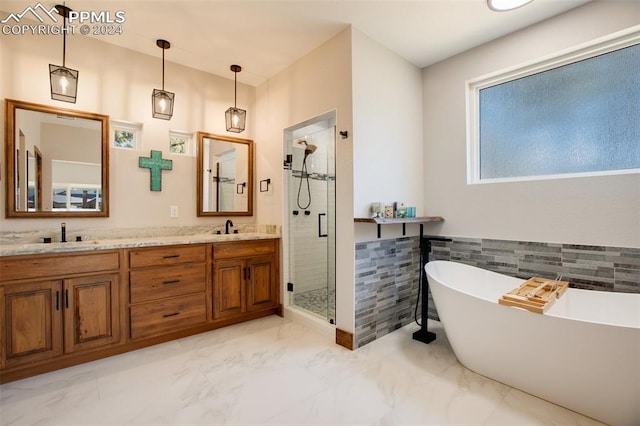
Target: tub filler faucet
424, 335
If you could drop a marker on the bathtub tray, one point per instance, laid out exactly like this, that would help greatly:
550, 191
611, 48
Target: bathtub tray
535, 295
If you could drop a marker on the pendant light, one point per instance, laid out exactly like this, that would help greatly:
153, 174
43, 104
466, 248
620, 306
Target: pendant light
235, 117
161, 100
64, 81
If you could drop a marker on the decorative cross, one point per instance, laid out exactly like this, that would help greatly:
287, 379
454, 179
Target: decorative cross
156, 164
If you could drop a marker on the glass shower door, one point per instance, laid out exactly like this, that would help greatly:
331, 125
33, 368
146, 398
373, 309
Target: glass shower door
311, 204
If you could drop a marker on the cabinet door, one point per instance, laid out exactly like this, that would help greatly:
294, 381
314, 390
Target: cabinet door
229, 288
91, 312
261, 283
31, 322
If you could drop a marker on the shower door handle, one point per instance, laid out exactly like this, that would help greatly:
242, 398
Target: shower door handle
320, 234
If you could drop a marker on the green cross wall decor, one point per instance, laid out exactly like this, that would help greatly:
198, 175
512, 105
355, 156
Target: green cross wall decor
156, 164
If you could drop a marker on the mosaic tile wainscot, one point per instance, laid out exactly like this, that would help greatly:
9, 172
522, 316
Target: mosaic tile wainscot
387, 273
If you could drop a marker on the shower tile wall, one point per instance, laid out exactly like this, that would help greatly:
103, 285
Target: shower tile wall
387, 273
308, 250
227, 181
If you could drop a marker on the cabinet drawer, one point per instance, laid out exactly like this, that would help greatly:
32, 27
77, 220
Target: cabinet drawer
170, 255
38, 266
244, 248
157, 318
157, 283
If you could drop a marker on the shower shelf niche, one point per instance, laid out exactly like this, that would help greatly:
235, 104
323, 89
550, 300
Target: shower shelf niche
404, 220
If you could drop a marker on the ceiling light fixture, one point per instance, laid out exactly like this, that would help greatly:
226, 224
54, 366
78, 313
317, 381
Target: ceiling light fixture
64, 81
235, 117
505, 5
161, 100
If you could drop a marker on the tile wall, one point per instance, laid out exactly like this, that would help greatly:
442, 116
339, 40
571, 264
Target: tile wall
307, 249
386, 286
313, 271
584, 266
387, 273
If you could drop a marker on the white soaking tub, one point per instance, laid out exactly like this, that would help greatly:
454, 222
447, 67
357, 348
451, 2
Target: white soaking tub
582, 354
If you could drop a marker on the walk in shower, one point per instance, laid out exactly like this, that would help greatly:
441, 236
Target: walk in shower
310, 216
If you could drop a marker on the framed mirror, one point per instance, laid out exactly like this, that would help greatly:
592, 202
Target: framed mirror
57, 162
225, 176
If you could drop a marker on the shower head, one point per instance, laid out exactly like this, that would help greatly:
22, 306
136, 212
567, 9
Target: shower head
308, 147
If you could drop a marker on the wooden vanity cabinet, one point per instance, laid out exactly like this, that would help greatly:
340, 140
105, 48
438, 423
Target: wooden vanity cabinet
57, 306
245, 278
168, 289
63, 309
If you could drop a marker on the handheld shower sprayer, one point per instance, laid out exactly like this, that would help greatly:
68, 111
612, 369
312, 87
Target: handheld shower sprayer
309, 148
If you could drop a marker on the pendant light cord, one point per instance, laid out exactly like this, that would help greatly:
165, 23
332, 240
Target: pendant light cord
64, 41
235, 89
163, 49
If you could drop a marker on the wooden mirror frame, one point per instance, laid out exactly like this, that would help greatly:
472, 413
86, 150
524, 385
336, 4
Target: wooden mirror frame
200, 169
11, 106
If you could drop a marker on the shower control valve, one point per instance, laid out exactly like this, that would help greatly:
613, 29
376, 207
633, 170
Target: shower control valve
288, 162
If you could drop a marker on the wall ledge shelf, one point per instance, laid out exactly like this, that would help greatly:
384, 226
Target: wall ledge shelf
398, 220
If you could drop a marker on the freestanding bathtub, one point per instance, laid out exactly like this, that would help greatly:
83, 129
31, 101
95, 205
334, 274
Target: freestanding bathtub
582, 354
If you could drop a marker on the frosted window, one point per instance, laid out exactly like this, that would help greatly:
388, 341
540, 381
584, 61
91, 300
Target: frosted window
577, 118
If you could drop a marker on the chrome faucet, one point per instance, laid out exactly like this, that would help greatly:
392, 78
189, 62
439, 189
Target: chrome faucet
227, 225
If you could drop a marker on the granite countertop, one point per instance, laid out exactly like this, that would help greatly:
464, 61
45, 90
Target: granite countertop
106, 244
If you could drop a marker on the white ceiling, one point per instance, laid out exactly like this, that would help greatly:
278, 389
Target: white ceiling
266, 36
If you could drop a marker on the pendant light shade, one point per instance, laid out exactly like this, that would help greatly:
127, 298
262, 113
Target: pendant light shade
64, 81
161, 100
162, 104
235, 117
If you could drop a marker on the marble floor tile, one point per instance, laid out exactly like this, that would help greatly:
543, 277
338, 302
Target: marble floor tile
275, 371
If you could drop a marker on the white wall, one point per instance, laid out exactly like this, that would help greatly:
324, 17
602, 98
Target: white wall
387, 133
118, 82
594, 210
387, 126
317, 83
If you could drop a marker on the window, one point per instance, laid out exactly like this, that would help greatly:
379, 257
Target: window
126, 135
124, 138
572, 115
68, 198
180, 142
76, 185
